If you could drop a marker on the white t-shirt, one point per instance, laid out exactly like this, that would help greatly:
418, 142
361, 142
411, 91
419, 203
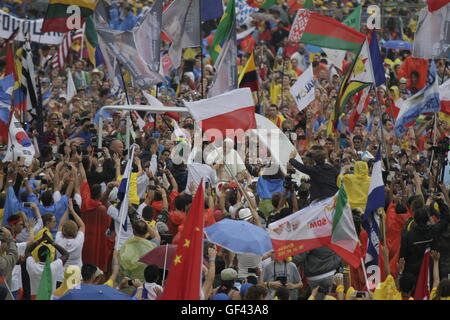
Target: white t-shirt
74, 247
150, 287
247, 261
16, 277
35, 270
113, 212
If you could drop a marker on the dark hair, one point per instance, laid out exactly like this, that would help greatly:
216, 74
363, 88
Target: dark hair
357, 137
151, 273
147, 213
46, 150
276, 197
46, 218
282, 293
13, 217
407, 282
322, 292
252, 279
43, 251
421, 216
88, 271
180, 203
443, 289
255, 292
140, 228
96, 191
315, 64
47, 198
319, 157
285, 212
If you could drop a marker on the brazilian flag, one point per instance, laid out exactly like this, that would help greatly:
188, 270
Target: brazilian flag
223, 30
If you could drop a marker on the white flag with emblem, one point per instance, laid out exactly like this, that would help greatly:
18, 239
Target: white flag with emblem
304, 88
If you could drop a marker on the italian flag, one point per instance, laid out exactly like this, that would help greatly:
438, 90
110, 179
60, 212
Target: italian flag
56, 17
316, 29
326, 223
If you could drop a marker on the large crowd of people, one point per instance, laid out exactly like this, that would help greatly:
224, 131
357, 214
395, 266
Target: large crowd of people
64, 206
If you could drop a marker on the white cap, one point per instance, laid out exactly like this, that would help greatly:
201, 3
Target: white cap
245, 214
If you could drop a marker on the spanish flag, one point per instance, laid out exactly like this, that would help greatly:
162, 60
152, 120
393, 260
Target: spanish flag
248, 77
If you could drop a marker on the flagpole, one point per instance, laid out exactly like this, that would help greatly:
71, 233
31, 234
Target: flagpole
201, 46
165, 264
127, 142
365, 274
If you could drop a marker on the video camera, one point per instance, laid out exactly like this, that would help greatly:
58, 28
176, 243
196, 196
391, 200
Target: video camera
289, 182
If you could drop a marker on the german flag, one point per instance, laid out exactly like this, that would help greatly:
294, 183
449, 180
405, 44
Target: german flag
249, 78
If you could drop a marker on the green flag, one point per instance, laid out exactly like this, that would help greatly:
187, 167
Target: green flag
354, 19
223, 30
45, 285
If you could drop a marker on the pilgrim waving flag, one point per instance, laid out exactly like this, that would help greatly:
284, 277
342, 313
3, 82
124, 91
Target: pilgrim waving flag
326, 223
316, 29
233, 110
184, 278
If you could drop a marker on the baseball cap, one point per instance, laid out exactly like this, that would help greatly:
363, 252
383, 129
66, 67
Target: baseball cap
245, 214
221, 296
62, 96
403, 80
228, 274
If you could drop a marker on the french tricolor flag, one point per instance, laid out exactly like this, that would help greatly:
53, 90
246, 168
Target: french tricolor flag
233, 110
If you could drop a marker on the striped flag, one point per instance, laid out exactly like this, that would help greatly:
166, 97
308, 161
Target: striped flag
371, 220
27, 80
363, 101
59, 58
123, 195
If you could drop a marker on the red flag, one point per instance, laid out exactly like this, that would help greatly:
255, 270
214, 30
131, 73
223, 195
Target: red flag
434, 5
10, 65
184, 279
423, 282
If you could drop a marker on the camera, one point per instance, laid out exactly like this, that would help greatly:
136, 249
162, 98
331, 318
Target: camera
151, 187
27, 205
289, 183
282, 279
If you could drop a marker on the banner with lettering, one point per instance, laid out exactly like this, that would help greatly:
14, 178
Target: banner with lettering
9, 23
303, 89
304, 230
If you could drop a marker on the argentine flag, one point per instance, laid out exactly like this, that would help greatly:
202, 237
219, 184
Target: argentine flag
371, 220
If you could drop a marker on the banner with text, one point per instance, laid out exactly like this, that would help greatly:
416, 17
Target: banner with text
9, 23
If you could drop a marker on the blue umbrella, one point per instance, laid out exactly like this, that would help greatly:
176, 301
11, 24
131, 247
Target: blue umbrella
398, 44
94, 292
239, 236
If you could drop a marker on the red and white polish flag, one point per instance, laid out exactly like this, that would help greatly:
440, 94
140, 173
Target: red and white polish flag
233, 110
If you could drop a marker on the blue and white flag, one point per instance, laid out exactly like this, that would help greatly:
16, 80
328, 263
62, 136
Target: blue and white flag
371, 220
424, 101
123, 193
303, 89
243, 11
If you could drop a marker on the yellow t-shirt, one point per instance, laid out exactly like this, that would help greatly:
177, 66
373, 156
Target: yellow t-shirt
134, 198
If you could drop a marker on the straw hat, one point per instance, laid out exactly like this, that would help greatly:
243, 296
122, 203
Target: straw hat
97, 71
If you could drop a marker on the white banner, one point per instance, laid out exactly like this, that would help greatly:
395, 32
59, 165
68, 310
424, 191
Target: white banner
9, 23
303, 90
